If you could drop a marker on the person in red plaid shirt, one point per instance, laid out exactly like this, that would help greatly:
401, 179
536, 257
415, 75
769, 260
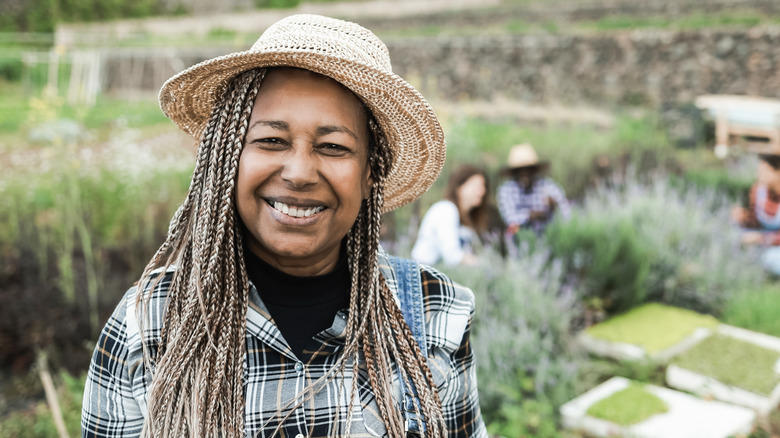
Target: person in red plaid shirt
762, 217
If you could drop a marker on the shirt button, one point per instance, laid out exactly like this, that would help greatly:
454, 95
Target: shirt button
300, 435
299, 368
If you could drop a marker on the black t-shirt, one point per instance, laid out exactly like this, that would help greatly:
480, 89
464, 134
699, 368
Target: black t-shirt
300, 306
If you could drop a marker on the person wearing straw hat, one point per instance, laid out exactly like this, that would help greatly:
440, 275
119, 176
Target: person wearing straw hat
761, 220
528, 199
270, 309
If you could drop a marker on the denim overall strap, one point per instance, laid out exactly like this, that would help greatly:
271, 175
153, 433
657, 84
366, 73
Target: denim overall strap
407, 276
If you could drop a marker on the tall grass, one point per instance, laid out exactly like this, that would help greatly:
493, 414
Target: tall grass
69, 205
755, 309
81, 215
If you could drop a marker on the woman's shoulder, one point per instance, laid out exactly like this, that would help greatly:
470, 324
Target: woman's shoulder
143, 306
437, 288
443, 207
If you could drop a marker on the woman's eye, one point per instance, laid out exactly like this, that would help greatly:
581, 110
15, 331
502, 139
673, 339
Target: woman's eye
269, 142
333, 148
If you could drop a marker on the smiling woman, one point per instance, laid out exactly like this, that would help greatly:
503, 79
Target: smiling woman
303, 173
271, 309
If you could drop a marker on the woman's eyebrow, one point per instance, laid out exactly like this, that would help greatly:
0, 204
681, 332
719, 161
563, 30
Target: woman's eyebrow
325, 130
276, 124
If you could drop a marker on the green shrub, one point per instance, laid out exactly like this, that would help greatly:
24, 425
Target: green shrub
525, 367
680, 247
606, 257
722, 180
756, 310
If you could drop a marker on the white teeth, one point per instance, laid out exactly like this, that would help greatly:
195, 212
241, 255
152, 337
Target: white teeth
296, 212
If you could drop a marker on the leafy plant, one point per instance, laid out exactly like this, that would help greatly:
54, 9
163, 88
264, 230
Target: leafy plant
755, 310
526, 369
605, 256
678, 247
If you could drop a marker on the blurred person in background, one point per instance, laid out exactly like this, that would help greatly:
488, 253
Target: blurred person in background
761, 220
528, 199
451, 229
270, 309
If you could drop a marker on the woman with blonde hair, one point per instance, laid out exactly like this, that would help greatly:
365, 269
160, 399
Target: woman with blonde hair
270, 309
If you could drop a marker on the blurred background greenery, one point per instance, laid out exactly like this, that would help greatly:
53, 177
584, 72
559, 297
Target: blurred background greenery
88, 189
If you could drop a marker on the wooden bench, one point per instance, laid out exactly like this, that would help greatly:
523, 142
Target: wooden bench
743, 116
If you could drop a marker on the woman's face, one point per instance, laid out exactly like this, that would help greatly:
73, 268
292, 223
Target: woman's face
303, 172
471, 193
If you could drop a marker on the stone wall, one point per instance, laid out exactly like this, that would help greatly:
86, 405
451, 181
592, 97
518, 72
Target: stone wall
637, 67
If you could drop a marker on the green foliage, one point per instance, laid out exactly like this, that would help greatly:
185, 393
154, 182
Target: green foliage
640, 326
697, 20
521, 340
756, 310
733, 362
574, 151
20, 112
678, 244
734, 186
81, 217
43, 15
606, 256
10, 68
37, 421
628, 406
524, 414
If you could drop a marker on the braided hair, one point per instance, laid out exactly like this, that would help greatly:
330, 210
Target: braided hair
197, 387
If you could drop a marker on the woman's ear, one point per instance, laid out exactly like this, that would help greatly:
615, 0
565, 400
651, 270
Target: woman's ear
367, 184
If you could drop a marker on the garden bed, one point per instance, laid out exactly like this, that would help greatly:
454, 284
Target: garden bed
649, 332
682, 416
732, 365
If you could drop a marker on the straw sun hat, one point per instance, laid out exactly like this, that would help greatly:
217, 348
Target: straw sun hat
343, 51
523, 156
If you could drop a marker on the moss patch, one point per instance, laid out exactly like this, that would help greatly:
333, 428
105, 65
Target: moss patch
733, 362
653, 326
629, 406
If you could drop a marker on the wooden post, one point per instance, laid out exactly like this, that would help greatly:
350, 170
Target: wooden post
51, 395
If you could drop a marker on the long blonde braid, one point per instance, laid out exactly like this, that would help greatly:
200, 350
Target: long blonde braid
197, 387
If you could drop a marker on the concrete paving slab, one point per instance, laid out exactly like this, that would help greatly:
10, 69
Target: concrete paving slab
688, 416
706, 386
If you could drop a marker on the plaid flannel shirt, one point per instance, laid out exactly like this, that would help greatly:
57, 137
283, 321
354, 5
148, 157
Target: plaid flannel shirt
115, 397
515, 205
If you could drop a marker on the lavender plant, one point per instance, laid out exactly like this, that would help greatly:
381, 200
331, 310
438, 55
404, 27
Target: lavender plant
692, 252
525, 365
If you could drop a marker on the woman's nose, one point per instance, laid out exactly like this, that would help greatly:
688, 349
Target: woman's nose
300, 168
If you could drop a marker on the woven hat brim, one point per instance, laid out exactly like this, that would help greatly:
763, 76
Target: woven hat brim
407, 119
